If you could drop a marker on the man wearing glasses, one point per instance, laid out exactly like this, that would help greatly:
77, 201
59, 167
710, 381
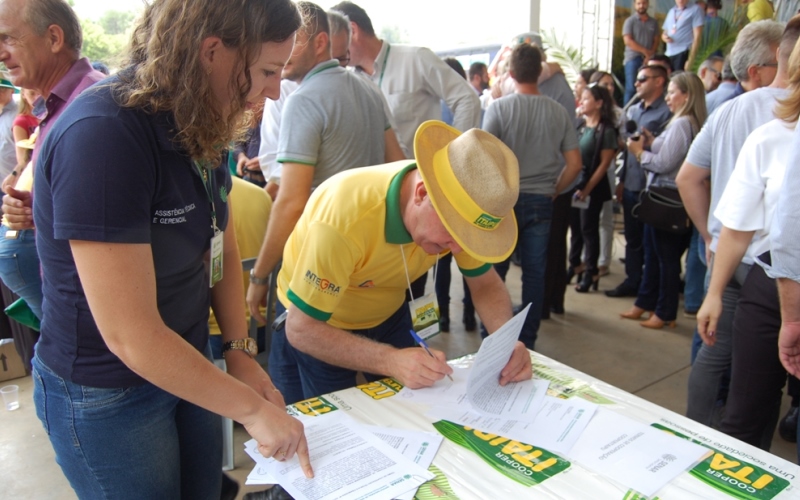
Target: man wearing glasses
650, 113
711, 72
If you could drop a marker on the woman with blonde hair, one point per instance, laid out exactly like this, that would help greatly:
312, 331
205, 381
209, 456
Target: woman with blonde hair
746, 210
136, 240
662, 157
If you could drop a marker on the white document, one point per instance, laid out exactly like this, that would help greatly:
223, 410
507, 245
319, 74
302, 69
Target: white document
559, 423
442, 392
349, 462
484, 392
637, 456
417, 446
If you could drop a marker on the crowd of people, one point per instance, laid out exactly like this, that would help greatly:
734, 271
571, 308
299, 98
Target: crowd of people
121, 192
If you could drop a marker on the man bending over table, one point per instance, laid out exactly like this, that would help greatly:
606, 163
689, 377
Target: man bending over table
365, 235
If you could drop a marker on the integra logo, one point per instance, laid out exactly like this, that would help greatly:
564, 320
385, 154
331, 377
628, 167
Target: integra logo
322, 284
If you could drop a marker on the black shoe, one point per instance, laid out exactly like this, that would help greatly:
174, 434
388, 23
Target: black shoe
275, 493
557, 309
572, 271
588, 282
444, 323
470, 324
230, 488
624, 290
787, 428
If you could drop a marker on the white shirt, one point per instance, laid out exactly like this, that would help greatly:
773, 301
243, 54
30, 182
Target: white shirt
270, 131
749, 200
414, 81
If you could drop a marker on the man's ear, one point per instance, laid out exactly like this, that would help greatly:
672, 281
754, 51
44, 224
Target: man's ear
420, 192
55, 36
321, 41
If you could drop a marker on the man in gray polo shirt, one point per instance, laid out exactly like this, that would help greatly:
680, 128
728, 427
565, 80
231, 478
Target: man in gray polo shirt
712, 157
641, 36
334, 121
538, 130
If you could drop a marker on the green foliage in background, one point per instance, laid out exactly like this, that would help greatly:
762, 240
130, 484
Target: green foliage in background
569, 58
106, 39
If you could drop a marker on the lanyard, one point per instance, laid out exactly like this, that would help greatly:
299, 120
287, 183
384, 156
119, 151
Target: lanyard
332, 64
383, 68
208, 184
408, 278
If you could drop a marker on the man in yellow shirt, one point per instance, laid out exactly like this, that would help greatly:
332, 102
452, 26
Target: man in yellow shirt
365, 235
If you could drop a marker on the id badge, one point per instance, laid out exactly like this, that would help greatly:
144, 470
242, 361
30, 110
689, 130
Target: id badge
215, 276
425, 316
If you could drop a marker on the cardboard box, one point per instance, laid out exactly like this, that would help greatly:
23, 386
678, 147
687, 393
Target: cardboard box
10, 363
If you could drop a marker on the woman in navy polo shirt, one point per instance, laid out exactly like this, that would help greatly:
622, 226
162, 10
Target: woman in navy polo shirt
131, 211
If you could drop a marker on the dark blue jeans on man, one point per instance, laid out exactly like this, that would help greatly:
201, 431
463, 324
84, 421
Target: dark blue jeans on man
631, 71
661, 281
634, 246
299, 376
534, 213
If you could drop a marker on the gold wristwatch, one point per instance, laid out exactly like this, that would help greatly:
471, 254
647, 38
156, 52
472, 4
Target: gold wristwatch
247, 345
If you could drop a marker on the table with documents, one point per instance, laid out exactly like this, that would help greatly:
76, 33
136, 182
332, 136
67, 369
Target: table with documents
604, 463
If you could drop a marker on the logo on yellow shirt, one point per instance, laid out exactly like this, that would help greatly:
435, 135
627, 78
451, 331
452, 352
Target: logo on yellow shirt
322, 284
367, 284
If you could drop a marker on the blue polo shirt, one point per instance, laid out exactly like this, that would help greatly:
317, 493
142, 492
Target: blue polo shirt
112, 174
653, 118
679, 24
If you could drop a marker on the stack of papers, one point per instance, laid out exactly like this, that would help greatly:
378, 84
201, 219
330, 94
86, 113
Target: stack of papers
351, 460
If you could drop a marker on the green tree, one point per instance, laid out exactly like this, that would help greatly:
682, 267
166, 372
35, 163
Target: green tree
116, 22
101, 46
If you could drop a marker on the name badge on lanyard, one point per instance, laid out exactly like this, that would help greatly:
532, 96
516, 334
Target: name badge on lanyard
424, 310
216, 244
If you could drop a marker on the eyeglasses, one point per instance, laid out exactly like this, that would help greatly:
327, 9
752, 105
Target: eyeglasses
643, 79
344, 59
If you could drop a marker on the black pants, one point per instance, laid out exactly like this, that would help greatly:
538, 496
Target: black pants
585, 226
757, 377
634, 239
555, 276
678, 61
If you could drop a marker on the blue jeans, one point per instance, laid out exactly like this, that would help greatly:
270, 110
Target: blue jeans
534, 213
299, 376
662, 273
130, 442
631, 71
634, 240
19, 267
694, 289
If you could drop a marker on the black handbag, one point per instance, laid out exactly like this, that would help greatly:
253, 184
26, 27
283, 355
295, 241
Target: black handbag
662, 208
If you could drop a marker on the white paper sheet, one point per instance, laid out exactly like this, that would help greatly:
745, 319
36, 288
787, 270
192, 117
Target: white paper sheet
484, 391
637, 456
559, 423
442, 392
417, 446
348, 461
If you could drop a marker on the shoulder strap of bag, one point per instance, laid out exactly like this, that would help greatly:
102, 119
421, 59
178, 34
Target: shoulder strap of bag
599, 134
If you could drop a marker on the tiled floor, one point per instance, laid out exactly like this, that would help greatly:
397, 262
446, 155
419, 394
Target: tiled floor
590, 337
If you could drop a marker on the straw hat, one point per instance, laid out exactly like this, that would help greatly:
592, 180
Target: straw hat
473, 182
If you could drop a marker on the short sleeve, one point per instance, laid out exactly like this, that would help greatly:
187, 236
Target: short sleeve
700, 151
741, 206
699, 18
301, 131
610, 139
102, 180
321, 276
491, 121
627, 27
570, 140
469, 266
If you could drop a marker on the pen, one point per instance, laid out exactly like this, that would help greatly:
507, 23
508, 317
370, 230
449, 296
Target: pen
424, 345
